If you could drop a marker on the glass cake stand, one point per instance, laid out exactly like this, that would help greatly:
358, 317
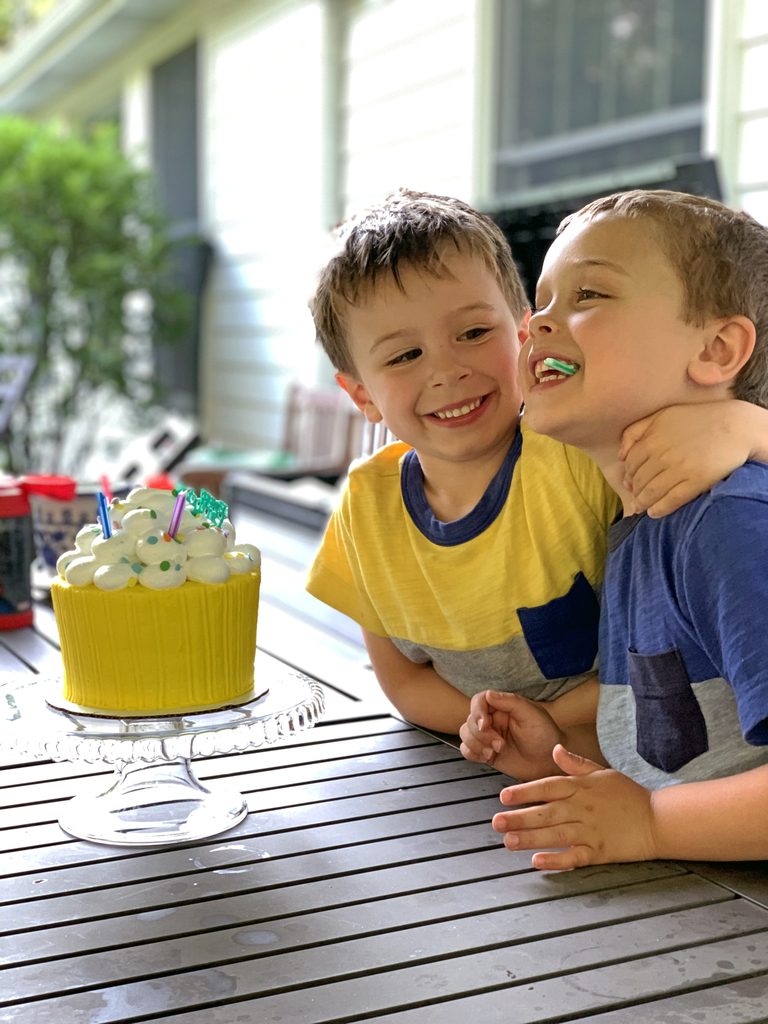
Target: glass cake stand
153, 796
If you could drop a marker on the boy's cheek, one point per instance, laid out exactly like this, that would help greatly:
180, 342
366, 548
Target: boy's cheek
523, 375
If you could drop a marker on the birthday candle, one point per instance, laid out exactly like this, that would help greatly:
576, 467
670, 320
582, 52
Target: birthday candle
103, 512
178, 510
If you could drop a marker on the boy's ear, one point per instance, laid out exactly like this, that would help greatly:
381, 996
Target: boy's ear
522, 331
359, 395
727, 349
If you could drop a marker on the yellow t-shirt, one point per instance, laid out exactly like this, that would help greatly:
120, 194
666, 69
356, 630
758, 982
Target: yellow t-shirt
508, 599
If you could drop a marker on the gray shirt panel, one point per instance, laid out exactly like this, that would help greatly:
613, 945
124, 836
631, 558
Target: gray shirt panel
728, 753
509, 667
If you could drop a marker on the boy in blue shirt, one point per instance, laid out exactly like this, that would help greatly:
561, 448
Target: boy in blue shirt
470, 551
650, 299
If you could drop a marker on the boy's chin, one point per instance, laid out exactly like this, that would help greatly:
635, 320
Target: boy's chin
576, 434
550, 425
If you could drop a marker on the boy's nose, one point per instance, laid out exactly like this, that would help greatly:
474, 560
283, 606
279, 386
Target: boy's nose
447, 371
541, 322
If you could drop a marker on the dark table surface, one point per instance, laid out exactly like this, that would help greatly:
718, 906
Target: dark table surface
365, 884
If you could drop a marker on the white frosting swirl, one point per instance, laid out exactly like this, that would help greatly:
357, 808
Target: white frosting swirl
208, 569
115, 577
140, 549
108, 550
80, 571
157, 547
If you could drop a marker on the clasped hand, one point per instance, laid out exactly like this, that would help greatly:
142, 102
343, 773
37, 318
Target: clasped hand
580, 814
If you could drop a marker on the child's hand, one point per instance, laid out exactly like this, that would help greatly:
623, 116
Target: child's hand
592, 815
679, 452
481, 733
512, 733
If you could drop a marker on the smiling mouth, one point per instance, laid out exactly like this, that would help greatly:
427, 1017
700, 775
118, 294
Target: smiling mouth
459, 410
551, 369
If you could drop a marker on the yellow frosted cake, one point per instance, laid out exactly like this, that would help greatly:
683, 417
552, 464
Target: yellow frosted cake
157, 622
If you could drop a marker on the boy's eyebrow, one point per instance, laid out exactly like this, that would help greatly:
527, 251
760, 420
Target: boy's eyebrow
474, 305
599, 261
404, 332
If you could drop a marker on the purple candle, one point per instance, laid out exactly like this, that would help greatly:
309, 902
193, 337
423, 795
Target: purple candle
178, 510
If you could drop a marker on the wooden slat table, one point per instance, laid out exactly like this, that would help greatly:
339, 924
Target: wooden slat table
364, 884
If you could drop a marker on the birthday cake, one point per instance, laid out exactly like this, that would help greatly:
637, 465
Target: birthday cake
156, 608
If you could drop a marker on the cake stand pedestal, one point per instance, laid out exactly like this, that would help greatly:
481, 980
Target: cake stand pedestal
153, 796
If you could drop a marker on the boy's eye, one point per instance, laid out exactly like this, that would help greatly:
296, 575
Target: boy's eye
585, 294
473, 333
404, 357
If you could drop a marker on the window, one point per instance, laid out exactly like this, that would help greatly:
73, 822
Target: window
592, 87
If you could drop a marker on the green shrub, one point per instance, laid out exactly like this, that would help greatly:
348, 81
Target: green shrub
85, 263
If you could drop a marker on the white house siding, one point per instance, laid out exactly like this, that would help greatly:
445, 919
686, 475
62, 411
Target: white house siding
744, 144
410, 101
263, 190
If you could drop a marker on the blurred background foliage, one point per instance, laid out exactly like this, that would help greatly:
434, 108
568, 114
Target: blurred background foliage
16, 15
85, 261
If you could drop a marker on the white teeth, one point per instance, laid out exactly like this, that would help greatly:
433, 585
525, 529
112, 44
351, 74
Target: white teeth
447, 414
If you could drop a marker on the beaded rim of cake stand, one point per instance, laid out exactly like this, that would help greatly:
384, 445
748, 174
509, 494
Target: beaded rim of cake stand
42, 731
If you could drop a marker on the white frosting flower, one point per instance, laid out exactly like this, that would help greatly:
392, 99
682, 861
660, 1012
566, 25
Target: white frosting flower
80, 571
152, 497
252, 552
240, 562
115, 577
164, 576
64, 559
207, 569
139, 521
228, 530
156, 547
85, 537
205, 542
113, 549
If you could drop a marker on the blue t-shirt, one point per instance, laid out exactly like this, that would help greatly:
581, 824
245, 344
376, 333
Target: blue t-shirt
683, 645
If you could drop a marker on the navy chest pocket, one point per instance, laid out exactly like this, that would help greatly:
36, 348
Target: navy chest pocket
562, 634
671, 730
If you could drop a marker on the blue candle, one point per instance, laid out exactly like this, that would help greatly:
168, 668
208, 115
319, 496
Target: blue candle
106, 526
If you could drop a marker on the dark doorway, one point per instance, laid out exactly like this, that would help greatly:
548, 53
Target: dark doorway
175, 153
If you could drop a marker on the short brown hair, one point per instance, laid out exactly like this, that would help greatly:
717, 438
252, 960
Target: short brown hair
720, 256
405, 229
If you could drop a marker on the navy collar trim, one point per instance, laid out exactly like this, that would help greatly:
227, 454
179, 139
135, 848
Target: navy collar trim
475, 522
621, 529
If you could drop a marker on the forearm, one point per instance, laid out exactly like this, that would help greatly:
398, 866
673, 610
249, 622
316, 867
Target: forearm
578, 706
575, 713
722, 819
430, 701
418, 692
